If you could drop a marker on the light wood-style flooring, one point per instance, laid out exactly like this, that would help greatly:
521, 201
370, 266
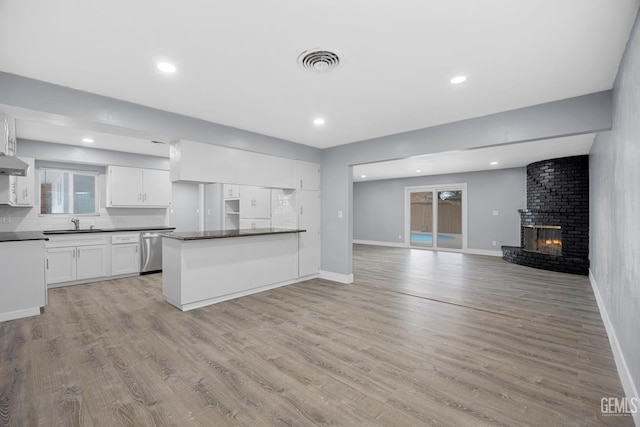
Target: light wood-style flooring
421, 338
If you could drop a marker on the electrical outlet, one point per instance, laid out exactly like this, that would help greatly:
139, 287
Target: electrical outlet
399, 236
339, 214
494, 243
496, 213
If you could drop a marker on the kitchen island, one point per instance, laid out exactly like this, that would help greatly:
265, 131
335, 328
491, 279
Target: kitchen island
205, 267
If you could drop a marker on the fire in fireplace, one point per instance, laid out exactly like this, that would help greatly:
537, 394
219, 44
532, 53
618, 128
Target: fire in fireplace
546, 239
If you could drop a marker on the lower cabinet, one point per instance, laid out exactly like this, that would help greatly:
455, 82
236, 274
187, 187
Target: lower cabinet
71, 260
252, 224
125, 257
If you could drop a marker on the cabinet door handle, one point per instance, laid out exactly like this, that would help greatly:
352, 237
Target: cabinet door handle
300, 183
301, 210
78, 253
47, 263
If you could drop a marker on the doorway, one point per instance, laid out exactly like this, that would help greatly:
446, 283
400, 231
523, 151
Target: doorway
436, 217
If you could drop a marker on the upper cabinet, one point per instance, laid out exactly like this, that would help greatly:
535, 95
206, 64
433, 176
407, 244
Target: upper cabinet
133, 187
18, 190
307, 175
7, 135
255, 202
199, 162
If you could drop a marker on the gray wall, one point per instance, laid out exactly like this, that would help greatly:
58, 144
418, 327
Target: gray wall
86, 155
614, 165
583, 114
62, 105
379, 206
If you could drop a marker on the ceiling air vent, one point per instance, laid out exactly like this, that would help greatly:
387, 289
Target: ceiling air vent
319, 60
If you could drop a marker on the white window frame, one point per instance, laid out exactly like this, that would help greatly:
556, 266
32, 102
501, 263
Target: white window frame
435, 188
71, 173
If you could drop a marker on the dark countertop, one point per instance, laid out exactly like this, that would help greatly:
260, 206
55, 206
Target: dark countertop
223, 234
107, 230
19, 236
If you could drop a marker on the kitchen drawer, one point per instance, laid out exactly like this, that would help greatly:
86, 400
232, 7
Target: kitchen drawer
76, 240
125, 238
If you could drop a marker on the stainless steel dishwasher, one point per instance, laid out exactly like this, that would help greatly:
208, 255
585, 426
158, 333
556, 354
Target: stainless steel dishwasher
151, 253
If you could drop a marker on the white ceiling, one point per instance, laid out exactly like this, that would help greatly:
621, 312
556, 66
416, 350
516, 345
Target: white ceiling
507, 156
236, 60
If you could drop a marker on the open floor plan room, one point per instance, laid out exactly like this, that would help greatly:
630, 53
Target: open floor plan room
420, 338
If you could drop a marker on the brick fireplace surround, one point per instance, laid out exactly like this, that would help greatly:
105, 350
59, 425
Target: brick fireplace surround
557, 195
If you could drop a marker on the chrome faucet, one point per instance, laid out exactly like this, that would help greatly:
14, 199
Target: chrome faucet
76, 222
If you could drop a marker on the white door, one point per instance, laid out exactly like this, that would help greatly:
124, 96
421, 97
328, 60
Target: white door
125, 186
156, 188
309, 241
61, 265
125, 259
91, 262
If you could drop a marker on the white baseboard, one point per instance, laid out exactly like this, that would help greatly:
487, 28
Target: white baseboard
403, 245
19, 314
483, 252
377, 243
336, 277
626, 379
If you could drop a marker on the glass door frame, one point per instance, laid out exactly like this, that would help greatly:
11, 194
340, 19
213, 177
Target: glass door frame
434, 189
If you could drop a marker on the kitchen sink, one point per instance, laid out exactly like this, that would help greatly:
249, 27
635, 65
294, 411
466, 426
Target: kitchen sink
82, 230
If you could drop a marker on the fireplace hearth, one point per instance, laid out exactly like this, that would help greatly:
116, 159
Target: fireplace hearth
555, 226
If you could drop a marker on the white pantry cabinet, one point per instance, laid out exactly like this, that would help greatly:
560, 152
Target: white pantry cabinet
309, 241
307, 175
18, 190
75, 258
139, 188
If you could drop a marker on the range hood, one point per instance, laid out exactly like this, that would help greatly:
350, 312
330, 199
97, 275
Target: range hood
11, 165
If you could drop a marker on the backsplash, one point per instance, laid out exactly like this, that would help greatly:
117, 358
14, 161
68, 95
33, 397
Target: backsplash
28, 219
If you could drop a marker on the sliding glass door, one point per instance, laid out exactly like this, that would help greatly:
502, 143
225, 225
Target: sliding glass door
437, 216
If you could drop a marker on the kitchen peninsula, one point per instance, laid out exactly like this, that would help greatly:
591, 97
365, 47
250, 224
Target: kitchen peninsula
205, 267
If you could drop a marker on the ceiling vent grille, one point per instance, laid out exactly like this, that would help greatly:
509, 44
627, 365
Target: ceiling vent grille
319, 60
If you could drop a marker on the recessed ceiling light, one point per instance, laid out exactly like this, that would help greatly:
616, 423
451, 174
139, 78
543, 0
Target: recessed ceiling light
493, 163
87, 140
458, 79
166, 67
418, 170
318, 122
363, 176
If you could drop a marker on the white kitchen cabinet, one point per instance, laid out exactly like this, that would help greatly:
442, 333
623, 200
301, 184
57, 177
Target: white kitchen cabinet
61, 265
253, 223
307, 175
23, 291
134, 187
18, 190
231, 191
201, 162
125, 254
255, 202
76, 258
91, 262
309, 241
7, 135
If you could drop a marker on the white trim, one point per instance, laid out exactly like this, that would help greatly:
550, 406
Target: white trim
336, 277
628, 385
378, 243
483, 252
19, 314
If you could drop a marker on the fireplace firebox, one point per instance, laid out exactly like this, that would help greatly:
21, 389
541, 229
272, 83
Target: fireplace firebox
546, 239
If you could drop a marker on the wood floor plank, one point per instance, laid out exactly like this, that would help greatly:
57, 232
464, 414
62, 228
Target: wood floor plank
420, 338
